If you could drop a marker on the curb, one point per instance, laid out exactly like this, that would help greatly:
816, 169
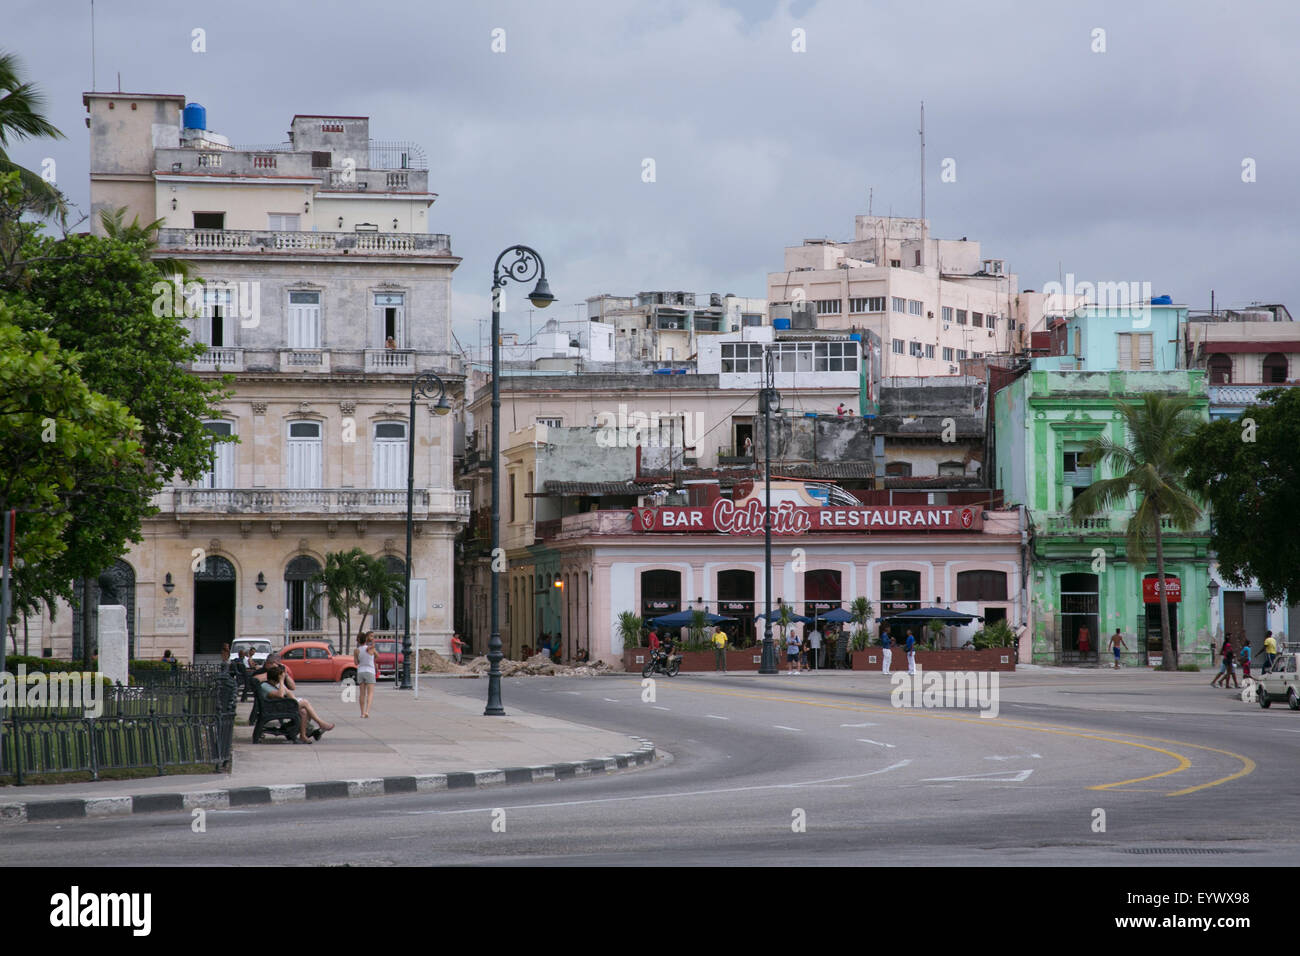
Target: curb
39, 811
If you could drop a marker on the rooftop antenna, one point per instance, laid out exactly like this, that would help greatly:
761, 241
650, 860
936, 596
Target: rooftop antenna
923, 229
119, 81
92, 45
871, 193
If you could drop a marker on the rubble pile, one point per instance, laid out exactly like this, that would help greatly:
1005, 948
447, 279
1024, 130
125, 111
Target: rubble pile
538, 666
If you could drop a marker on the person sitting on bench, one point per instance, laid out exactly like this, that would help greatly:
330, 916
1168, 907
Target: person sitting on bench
275, 687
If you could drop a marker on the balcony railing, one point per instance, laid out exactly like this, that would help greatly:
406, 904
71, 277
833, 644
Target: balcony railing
390, 360
337, 243
1242, 395
333, 501
305, 360
1114, 523
222, 359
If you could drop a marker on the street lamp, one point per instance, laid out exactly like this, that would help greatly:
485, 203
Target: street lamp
424, 385
769, 401
526, 264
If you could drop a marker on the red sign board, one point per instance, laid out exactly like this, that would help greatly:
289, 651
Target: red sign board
726, 517
1151, 590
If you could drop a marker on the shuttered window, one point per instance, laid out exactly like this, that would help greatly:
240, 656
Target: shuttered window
304, 320
1134, 351
222, 474
390, 457
303, 452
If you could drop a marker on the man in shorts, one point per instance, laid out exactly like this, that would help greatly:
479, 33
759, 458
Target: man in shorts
1116, 642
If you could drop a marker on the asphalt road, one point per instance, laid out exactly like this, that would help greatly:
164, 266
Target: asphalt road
810, 769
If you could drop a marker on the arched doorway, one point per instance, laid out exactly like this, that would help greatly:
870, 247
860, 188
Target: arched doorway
1220, 369
385, 615
116, 585
661, 593
736, 599
214, 605
303, 600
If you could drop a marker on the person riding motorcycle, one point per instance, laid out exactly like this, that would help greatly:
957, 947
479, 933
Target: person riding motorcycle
665, 651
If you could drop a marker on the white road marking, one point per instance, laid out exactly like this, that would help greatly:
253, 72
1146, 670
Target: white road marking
611, 700
876, 742
656, 796
784, 727
657, 707
716, 717
998, 776
867, 724
575, 693
1013, 757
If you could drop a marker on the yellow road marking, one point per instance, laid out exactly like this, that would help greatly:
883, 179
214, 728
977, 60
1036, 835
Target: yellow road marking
1184, 763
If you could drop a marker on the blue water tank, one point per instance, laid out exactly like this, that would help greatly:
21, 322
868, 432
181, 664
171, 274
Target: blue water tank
194, 116
1163, 300
781, 323
855, 336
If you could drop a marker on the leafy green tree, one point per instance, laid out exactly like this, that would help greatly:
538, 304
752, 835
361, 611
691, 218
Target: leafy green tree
95, 297
377, 585
22, 116
1248, 472
1146, 463
629, 629
861, 611
63, 448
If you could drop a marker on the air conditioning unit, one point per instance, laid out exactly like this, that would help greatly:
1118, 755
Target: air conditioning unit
946, 326
990, 333
929, 315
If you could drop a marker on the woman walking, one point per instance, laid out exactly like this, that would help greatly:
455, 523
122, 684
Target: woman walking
364, 655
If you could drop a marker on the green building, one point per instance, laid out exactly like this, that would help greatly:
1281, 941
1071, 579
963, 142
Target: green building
1081, 585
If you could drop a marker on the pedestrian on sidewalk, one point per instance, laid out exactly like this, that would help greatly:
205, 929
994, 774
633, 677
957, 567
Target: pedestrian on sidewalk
911, 652
1116, 642
1270, 651
792, 650
364, 655
1226, 670
457, 646
720, 646
1245, 659
886, 650
815, 647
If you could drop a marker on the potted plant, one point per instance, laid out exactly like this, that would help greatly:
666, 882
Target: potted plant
629, 629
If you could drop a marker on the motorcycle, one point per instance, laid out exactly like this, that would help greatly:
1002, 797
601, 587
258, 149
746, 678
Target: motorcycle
662, 662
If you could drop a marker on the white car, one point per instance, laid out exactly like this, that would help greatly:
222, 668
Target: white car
1282, 682
261, 648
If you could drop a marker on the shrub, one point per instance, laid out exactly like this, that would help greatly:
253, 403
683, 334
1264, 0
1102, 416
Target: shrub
997, 634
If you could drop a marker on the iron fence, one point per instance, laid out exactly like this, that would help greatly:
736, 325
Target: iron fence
140, 728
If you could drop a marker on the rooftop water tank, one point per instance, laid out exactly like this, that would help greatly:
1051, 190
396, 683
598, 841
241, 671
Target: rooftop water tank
1163, 300
194, 116
781, 324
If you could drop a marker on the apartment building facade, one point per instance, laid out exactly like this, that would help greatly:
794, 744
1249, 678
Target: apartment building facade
323, 294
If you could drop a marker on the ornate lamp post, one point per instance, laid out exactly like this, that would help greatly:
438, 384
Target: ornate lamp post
424, 386
525, 265
769, 401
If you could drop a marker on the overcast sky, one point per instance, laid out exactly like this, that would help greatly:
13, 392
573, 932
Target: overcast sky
1123, 165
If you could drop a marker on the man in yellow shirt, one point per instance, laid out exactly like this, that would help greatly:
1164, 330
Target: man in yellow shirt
720, 647
1270, 652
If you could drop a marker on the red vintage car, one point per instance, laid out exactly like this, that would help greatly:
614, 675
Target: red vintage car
316, 660
386, 650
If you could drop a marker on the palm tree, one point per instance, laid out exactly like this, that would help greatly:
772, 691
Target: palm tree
116, 227
861, 611
337, 581
375, 585
22, 116
1157, 428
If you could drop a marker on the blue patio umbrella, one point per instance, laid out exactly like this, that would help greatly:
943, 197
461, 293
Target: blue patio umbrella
686, 619
837, 616
795, 618
923, 614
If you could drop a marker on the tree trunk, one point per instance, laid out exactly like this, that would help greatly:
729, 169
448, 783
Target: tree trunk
1170, 662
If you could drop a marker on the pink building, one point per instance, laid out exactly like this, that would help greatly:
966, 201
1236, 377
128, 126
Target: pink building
653, 561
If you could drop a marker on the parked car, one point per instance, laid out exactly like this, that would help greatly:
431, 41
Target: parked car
1280, 683
316, 660
261, 648
385, 652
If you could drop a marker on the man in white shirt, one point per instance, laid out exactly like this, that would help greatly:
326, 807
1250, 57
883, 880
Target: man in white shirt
815, 645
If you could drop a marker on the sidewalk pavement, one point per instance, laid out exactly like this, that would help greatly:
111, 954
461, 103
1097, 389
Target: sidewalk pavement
440, 741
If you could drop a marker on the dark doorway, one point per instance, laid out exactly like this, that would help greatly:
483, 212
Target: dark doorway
736, 599
899, 591
214, 606
994, 614
1079, 604
821, 591
661, 593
